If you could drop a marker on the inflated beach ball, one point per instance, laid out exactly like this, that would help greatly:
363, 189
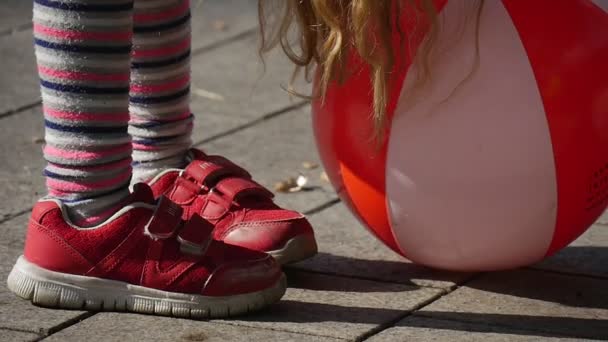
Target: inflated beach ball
498, 161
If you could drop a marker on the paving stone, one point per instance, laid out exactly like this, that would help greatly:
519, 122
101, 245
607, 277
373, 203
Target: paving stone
19, 81
13, 232
336, 306
15, 14
21, 172
19, 314
131, 327
348, 249
16, 336
216, 20
588, 255
230, 86
530, 300
425, 329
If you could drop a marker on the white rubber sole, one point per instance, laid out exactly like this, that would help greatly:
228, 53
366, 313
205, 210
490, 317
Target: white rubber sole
67, 291
297, 249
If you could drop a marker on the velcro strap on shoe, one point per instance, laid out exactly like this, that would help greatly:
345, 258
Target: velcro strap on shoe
234, 188
208, 171
167, 218
196, 236
184, 191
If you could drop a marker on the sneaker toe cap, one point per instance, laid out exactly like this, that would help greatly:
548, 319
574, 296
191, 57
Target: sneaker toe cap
244, 276
267, 235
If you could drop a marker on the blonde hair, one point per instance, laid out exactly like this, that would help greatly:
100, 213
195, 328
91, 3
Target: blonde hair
323, 32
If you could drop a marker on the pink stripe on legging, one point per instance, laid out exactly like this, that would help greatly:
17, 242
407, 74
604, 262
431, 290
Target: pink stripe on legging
169, 14
83, 76
86, 155
78, 35
57, 187
110, 166
166, 50
173, 85
59, 114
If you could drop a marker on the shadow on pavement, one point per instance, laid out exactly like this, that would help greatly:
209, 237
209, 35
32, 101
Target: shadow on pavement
380, 270
589, 260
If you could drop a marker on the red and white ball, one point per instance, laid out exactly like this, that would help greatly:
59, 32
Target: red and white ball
493, 171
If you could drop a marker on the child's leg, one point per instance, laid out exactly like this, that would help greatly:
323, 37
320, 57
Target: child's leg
83, 53
161, 121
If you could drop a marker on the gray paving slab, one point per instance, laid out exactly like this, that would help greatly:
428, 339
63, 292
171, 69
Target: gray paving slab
588, 255
21, 172
19, 80
544, 302
230, 86
130, 327
15, 14
216, 20
348, 249
7, 335
337, 306
13, 233
19, 314
425, 329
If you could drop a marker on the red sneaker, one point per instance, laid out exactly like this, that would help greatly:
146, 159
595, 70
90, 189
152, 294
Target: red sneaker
143, 259
242, 210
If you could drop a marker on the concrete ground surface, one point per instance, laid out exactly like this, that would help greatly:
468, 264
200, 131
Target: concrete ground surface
354, 289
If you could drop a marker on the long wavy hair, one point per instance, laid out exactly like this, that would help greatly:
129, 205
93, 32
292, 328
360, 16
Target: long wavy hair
320, 34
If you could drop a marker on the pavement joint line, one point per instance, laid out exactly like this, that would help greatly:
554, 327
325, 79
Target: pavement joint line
381, 327
16, 29
295, 268
19, 330
500, 325
11, 216
251, 123
20, 109
565, 273
68, 323
424, 304
321, 207
226, 41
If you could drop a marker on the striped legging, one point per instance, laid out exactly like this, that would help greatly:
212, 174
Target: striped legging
115, 83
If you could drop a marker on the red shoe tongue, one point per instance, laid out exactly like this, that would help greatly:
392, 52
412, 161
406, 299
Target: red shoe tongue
142, 193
